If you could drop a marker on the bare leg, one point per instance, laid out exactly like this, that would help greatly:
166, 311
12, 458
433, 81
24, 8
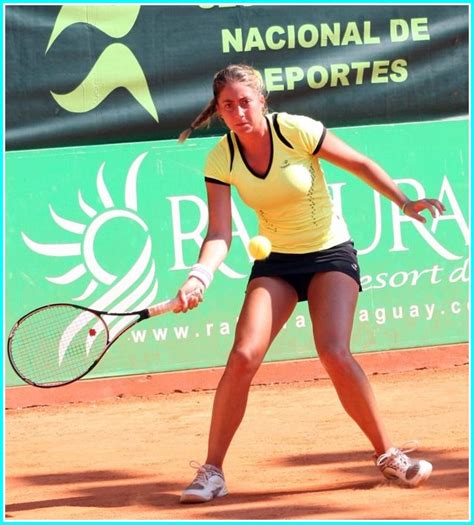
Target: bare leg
332, 299
268, 304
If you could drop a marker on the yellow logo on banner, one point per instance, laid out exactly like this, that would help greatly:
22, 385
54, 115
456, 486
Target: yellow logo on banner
117, 67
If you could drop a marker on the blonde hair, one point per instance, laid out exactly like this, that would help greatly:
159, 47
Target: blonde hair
231, 73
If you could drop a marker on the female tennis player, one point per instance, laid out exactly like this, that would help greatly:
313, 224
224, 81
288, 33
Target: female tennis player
273, 161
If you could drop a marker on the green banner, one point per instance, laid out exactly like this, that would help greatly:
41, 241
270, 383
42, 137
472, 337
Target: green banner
119, 226
82, 74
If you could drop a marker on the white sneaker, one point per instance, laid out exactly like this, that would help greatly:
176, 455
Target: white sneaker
208, 484
395, 465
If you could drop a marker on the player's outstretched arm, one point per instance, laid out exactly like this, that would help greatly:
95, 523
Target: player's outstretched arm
337, 152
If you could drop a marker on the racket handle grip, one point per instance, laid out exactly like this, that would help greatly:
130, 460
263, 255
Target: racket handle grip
163, 307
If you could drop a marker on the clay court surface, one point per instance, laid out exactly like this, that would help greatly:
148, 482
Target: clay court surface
297, 456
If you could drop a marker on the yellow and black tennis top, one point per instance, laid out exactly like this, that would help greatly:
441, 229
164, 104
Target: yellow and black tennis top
292, 201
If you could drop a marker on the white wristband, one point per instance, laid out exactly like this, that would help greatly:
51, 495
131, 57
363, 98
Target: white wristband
202, 273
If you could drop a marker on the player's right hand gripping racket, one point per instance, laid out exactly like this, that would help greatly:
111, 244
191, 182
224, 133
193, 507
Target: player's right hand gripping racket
59, 343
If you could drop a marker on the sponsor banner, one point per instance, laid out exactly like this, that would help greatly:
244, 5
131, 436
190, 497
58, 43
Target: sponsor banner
114, 227
83, 74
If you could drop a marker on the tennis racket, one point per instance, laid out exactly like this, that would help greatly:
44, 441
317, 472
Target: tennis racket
59, 343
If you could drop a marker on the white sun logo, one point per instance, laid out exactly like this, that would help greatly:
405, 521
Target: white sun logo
137, 287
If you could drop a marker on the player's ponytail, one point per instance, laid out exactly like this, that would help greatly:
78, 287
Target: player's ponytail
204, 118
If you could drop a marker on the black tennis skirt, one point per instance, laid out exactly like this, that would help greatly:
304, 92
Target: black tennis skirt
298, 268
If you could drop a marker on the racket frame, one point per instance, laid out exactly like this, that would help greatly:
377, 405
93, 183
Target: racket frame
142, 314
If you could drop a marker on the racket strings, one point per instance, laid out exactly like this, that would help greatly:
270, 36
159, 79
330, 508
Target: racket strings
57, 344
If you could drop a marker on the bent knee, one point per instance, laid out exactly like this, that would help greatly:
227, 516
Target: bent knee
244, 361
334, 356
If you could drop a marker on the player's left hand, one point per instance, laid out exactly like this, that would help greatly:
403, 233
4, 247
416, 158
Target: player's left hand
413, 208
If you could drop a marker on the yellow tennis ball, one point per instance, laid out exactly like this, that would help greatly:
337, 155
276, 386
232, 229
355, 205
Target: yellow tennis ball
260, 247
